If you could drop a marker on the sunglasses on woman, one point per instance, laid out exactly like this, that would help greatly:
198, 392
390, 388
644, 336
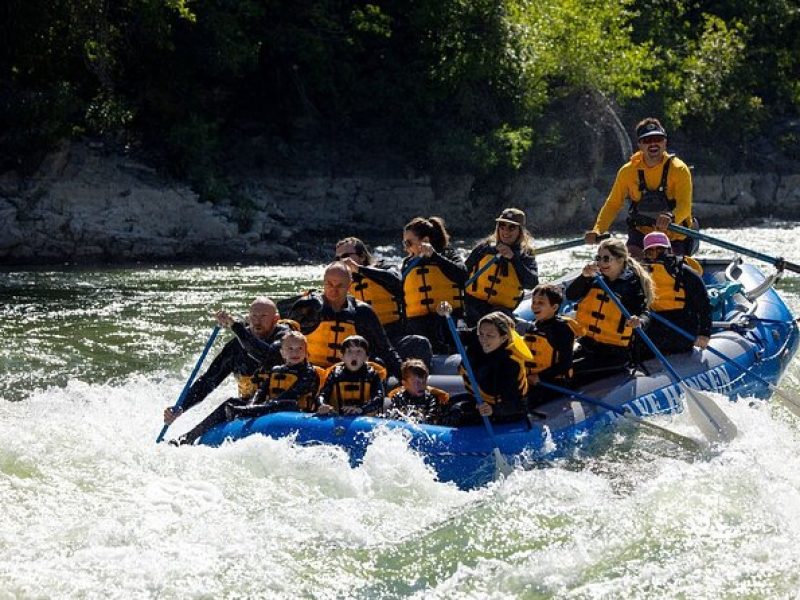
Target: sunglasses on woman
345, 255
605, 258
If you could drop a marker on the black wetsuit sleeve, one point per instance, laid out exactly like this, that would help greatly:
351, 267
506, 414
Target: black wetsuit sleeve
451, 265
527, 269
306, 312
307, 383
375, 403
387, 278
220, 368
578, 288
562, 340
264, 351
508, 387
368, 325
697, 299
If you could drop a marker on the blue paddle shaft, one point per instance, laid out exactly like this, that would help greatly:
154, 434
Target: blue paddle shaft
484, 268
580, 396
626, 313
777, 262
713, 351
185, 392
468, 368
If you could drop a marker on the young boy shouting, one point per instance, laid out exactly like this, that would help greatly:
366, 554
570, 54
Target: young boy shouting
353, 386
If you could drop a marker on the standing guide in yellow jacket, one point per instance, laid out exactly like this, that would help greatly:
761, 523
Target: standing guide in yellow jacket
659, 187
502, 266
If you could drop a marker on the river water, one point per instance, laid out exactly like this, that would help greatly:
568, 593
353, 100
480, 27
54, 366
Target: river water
92, 508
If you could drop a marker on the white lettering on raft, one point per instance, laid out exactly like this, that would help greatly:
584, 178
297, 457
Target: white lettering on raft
715, 380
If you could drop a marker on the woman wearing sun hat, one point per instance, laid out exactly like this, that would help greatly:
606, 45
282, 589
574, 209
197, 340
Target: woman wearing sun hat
508, 252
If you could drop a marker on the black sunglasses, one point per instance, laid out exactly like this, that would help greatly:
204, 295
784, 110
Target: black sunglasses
605, 258
345, 255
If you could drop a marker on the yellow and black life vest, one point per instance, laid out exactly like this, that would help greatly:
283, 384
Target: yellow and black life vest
498, 285
247, 385
280, 381
378, 297
325, 342
425, 287
667, 288
518, 352
348, 393
543, 355
693, 264
604, 322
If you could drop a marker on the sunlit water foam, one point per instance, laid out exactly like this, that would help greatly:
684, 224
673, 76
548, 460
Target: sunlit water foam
92, 507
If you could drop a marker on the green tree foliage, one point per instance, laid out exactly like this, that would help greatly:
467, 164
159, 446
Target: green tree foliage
477, 85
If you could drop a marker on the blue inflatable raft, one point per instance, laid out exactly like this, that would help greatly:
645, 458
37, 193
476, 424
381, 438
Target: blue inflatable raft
753, 326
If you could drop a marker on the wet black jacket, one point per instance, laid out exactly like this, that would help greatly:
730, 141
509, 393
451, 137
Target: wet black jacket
311, 310
244, 356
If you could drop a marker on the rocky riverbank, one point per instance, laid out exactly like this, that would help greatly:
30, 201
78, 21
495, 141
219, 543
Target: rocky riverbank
87, 205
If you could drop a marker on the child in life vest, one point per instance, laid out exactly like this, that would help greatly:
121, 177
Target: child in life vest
415, 399
353, 386
301, 381
550, 339
291, 386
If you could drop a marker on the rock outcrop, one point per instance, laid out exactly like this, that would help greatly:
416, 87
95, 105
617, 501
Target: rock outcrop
86, 205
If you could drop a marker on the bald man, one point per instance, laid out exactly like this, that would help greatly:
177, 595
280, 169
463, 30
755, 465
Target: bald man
253, 352
328, 318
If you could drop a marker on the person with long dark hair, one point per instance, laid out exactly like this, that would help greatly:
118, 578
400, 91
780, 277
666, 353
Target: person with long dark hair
432, 273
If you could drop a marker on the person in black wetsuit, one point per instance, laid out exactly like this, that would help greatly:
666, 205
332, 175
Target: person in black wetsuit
433, 273
352, 387
248, 357
605, 347
327, 319
497, 355
550, 339
513, 268
380, 285
415, 399
291, 386
681, 297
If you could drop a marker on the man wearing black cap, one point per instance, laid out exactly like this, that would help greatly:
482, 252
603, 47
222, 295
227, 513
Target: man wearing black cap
659, 187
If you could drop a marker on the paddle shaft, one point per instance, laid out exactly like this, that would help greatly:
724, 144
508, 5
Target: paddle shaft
626, 414
411, 264
646, 338
482, 270
779, 263
185, 392
713, 351
537, 251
